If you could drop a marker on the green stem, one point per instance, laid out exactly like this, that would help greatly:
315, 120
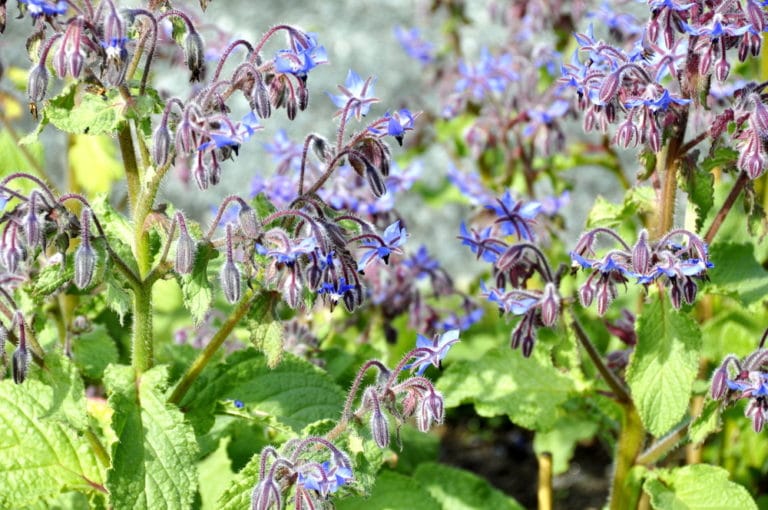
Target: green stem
627, 450
205, 357
98, 448
670, 155
129, 162
142, 329
666, 444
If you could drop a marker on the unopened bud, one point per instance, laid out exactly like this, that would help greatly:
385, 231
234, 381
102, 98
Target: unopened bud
550, 305
20, 364
375, 181
722, 68
85, 262
321, 148
32, 227
380, 428
161, 144
37, 83
291, 107
195, 55
259, 100
303, 97
186, 249
609, 87
641, 254
353, 298
249, 222
719, 383
230, 281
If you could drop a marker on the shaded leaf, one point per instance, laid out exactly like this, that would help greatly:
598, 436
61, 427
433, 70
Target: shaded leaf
737, 273
697, 487
196, 288
392, 490
456, 489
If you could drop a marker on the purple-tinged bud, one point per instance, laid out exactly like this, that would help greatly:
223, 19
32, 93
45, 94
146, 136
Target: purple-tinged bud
408, 404
610, 112
689, 290
375, 181
755, 411
291, 287
353, 298
528, 344
379, 427
266, 495
609, 87
759, 117
705, 62
32, 227
722, 68
249, 222
230, 281
744, 48
653, 135
653, 29
291, 107
550, 305
676, 293
277, 93
431, 410
314, 276
604, 297
641, 254
586, 294
161, 145
755, 15
321, 148
200, 173
85, 262
755, 43
195, 55
719, 383
627, 134
590, 119
303, 97
259, 100
186, 250
37, 83
20, 364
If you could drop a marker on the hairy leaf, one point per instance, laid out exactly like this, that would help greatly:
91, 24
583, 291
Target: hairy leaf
393, 490
737, 273
456, 489
502, 382
697, 487
196, 288
153, 462
664, 365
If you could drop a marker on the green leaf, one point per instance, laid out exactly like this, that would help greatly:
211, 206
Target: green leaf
14, 156
215, 476
456, 489
700, 186
237, 495
153, 463
706, 423
737, 274
93, 351
562, 439
40, 457
117, 298
640, 199
296, 392
392, 491
502, 381
266, 331
80, 112
724, 158
68, 399
663, 365
196, 289
87, 153
697, 487
117, 228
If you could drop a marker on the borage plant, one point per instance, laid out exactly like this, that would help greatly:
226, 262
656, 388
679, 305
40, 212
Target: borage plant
103, 409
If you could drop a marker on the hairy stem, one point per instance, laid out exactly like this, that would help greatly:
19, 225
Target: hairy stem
142, 341
216, 341
627, 450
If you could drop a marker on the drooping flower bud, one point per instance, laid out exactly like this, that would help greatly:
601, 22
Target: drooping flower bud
194, 52
550, 305
641, 254
85, 257
379, 427
37, 83
161, 145
230, 275
719, 383
20, 364
32, 227
249, 222
375, 181
186, 248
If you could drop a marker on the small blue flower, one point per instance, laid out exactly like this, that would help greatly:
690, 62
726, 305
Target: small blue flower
335, 290
302, 59
480, 242
356, 92
289, 254
431, 352
38, 8
238, 404
397, 124
325, 478
515, 218
663, 102
394, 237
415, 45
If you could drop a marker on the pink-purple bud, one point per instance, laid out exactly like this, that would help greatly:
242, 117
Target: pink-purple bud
186, 250
195, 55
550, 305
609, 88
379, 428
230, 281
32, 227
722, 68
375, 181
719, 383
249, 222
641, 254
20, 364
161, 145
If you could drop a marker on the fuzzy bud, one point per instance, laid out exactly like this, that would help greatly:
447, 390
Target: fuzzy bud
375, 181
609, 87
37, 83
20, 364
85, 262
249, 223
291, 107
722, 68
32, 227
641, 254
194, 52
186, 249
550, 305
379, 428
230, 281
303, 97
161, 144
259, 100
719, 383
321, 148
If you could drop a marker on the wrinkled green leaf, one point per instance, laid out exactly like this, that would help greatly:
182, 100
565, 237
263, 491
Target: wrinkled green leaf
502, 381
93, 351
196, 288
456, 489
296, 392
40, 457
700, 186
153, 462
392, 491
663, 365
68, 399
737, 273
706, 423
266, 330
697, 487
561, 441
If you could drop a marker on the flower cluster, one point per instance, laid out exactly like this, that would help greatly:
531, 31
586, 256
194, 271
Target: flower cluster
514, 265
678, 266
746, 379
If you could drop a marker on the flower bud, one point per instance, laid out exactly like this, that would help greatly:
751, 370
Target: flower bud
609, 87
259, 100
641, 254
249, 223
20, 364
719, 383
303, 97
586, 294
550, 305
353, 298
291, 107
722, 68
37, 83
379, 428
186, 249
161, 143
321, 148
375, 181
32, 227
85, 262
195, 55
230, 281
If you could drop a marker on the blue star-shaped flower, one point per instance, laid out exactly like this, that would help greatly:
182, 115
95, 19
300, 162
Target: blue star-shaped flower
325, 478
356, 92
431, 352
393, 238
302, 59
